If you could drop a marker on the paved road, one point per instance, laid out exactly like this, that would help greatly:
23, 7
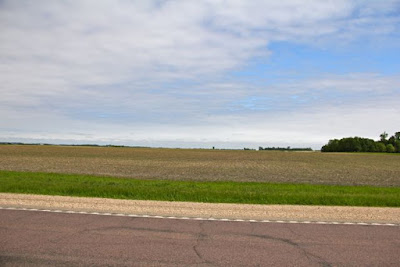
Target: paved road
42, 238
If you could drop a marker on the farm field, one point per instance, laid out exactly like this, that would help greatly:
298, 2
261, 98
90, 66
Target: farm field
206, 165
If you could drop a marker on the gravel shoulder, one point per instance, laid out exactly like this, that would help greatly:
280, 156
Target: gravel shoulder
205, 210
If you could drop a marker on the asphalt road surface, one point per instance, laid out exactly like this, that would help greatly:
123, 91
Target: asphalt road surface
33, 238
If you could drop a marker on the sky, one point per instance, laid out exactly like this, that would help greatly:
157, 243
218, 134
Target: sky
201, 73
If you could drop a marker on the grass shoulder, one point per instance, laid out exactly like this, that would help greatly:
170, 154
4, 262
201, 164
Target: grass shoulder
212, 192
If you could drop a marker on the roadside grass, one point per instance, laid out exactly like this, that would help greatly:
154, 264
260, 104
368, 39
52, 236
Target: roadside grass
212, 192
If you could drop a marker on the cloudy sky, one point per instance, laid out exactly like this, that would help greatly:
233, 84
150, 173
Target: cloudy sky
199, 73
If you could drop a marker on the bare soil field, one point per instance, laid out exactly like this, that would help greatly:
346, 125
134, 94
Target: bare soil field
207, 165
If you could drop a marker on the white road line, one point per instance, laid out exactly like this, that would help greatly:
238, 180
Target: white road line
198, 218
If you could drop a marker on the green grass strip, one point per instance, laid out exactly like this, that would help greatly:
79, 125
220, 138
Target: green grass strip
213, 192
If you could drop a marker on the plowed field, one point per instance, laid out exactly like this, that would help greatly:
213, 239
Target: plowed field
207, 165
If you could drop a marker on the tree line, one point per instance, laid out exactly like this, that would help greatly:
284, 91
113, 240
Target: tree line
359, 144
285, 148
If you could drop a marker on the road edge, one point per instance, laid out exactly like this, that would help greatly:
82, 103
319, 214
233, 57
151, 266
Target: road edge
203, 211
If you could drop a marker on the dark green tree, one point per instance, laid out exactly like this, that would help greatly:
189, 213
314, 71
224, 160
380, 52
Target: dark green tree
359, 144
380, 147
390, 148
397, 146
383, 137
392, 140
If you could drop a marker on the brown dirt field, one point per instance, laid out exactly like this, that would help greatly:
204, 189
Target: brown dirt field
207, 165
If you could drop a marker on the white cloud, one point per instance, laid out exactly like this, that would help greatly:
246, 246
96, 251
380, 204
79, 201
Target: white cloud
101, 42
163, 120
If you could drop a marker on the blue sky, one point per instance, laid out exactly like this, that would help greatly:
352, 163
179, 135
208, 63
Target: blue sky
199, 73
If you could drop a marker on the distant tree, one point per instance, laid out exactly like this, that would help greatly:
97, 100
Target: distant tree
383, 137
371, 146
395, 141
286, 148
332, 146
392, 140
397, 146
380, 147
359, 144
390, 148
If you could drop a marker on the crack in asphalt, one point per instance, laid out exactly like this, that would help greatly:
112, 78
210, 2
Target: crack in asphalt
200, 237
111, 228
68, 236
18, 260
306, 253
